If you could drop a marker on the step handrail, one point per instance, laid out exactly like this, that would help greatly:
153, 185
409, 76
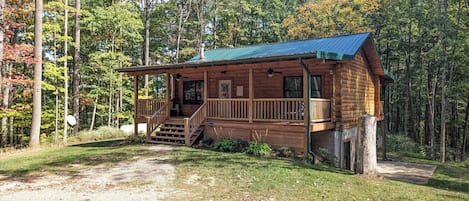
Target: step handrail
156, 120
192, 123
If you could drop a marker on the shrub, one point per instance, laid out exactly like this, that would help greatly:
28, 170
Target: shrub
101, 133
226, 144
286, 152
259, 149
400, 143
327, 157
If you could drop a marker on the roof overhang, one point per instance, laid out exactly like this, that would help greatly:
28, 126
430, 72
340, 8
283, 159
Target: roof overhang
140, 70
373, 58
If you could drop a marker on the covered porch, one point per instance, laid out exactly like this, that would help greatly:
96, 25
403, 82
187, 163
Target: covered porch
276, 93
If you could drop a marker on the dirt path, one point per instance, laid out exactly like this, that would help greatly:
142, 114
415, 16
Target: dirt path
408, 172
146, 178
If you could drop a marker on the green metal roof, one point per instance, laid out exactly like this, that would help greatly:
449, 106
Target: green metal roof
343, 47
336, 48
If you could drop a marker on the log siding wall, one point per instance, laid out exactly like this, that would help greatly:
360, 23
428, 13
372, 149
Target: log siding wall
356, 94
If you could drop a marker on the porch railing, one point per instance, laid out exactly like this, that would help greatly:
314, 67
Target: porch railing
148, 107
156, 119
192, 123
229, 109
278, 109
320, 110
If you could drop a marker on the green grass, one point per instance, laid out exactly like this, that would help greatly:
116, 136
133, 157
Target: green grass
237, 176
240, 176
60, 159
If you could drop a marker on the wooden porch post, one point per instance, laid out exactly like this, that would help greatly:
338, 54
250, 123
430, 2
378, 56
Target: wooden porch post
205, 86
186, 132
135, 104
251, 95
378, 112
168, 94
334, 90
305, 96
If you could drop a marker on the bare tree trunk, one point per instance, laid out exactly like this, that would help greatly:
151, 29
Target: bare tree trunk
65, 73
2, 7
56, 140
200, 18
76, 69
431, 93
181, 22
464, 138
409, 114
2, 32
6, 104
11, 130
36, 119
443, 81
146, 49
93, 117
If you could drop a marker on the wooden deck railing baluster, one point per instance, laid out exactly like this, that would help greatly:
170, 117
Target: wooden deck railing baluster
193, 123
156, 119
148, 107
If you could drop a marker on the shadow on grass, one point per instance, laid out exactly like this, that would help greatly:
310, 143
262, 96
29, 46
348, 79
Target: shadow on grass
458, 174
68, 161
209, 158
108, 144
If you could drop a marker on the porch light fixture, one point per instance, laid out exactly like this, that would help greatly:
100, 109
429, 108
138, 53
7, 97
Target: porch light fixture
177, 77
270, 72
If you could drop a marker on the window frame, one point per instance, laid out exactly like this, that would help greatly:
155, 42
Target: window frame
319, 89
198, 92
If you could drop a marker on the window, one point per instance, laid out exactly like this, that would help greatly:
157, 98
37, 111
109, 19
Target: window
316, 85
293, 86
193, 91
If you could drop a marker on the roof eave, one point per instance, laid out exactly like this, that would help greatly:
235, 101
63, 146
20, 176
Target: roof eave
215, 63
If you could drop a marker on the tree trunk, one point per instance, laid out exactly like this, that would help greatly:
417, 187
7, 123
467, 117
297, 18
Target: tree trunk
181, 22
443, 81
11, 131
431, 93
36, 119
409, 114
6, 104
2, 7
76, 68
56, 138
93, 117
365, 145
2, 32
146, 49
464, 138
65, 74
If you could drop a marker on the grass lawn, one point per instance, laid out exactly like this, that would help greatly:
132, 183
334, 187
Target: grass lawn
210, 175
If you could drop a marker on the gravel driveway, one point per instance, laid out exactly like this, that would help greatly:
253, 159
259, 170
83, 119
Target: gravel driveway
408, 172
146, 178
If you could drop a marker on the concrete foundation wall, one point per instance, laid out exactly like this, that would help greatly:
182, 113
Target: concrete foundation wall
333, 142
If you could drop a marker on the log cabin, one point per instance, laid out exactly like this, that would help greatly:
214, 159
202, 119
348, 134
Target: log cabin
305, 94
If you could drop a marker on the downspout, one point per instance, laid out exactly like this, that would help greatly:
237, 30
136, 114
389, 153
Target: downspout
308, 113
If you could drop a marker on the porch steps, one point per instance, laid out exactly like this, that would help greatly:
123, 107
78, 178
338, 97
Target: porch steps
172, 132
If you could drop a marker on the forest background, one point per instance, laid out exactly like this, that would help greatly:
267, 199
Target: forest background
423, 42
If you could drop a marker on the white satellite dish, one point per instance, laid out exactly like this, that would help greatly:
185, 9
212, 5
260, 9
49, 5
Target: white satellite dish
71, 120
